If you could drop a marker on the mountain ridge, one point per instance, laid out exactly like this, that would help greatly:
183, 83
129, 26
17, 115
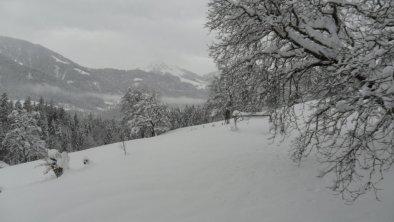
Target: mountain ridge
28, 69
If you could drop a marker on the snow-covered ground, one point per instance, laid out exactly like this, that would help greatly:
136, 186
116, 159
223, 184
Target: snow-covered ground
59, 60
82, 72
201, 173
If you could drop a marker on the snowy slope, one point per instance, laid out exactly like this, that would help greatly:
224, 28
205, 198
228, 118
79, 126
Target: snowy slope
183, 74
201, 173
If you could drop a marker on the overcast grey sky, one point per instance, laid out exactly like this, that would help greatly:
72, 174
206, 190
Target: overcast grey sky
114, 33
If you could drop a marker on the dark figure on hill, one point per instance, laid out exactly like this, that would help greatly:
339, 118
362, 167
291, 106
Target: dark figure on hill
227, 116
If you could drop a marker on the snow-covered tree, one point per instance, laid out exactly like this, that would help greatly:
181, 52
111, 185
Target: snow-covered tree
143, 113
337, 52
60, 130
235, 92
5, 110
18, 105
23, 141
27, 105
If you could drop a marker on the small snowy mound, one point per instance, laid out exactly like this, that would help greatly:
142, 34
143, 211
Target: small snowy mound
3, 164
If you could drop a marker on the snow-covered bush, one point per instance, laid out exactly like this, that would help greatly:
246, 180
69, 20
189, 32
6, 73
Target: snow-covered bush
56, 162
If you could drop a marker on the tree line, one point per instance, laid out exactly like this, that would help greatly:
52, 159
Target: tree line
28, 129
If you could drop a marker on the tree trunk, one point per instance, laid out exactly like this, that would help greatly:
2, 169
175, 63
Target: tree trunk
153, 128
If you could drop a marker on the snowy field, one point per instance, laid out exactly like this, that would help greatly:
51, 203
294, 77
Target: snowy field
202, 173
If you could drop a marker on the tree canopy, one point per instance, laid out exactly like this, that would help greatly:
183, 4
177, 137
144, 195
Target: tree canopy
338, 53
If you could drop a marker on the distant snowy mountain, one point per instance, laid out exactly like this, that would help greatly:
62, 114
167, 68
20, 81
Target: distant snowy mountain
183, 74
28, 69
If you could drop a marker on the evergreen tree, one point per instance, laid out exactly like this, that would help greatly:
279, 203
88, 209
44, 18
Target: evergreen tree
23, 140
18, 105
60, 130
27, 105
40, 107
5, 110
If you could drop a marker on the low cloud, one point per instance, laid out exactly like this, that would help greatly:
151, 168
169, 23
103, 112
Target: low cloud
182, 101
119, 33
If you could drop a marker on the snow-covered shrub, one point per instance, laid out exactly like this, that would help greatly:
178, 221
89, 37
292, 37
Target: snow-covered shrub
56, 162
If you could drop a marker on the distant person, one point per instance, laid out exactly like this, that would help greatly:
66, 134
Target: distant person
227, 116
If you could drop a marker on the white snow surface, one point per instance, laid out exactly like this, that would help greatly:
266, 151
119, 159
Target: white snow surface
162, 68
29, 76
343, 106
82, 72
59, 60
200, 173
20, 63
